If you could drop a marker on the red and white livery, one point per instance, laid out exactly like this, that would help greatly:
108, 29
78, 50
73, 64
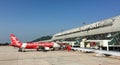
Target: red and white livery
32, 45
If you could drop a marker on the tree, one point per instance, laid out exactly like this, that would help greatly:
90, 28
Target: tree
42, 38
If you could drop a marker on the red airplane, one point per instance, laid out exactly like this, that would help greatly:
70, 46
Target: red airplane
44, 46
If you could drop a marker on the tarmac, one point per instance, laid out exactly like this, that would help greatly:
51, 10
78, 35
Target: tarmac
11, 56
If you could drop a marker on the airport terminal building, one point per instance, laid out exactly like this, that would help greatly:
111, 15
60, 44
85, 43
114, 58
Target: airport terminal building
101, 30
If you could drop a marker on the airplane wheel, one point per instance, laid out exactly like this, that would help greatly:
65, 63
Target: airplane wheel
20, 50
53, 49
43, 49
40, 48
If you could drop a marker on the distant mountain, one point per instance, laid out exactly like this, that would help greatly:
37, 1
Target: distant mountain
42, 38
4, 44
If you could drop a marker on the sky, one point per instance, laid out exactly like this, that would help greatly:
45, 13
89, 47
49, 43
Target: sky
31, 19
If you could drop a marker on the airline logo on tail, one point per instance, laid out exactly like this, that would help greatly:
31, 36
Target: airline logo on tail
14, 40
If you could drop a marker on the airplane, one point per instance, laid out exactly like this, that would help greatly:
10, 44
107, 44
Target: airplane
44, 46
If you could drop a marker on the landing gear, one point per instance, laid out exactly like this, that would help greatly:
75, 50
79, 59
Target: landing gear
21, 50
53, 49
41, 48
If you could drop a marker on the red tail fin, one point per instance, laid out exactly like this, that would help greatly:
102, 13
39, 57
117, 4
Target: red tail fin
15, 41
